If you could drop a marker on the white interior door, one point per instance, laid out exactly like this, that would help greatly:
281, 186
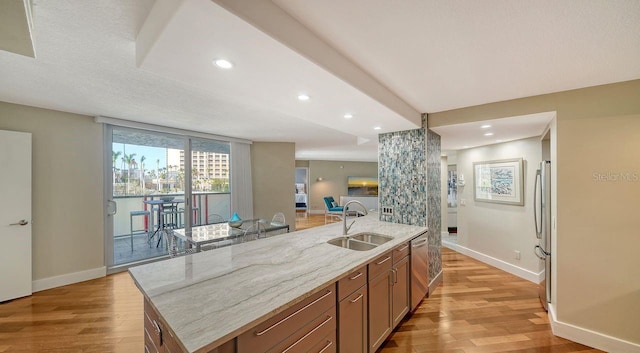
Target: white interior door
15, 215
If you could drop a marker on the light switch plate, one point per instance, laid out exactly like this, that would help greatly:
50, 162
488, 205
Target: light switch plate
387, 210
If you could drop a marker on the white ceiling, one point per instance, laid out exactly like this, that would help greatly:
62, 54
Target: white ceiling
469, 135
385, 62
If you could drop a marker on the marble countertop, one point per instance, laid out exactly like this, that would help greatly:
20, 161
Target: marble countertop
210, 297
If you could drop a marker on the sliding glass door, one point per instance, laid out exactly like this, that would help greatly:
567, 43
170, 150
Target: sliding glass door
148, 190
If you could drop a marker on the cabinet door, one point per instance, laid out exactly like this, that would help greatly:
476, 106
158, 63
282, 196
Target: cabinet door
352, 322
379, 310
400, 295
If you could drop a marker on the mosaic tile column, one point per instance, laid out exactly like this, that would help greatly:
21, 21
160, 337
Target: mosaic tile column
409, 181
402, 176
434, 204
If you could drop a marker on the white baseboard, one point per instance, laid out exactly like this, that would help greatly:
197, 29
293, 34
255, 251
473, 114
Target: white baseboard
450, 245
589, 338
435, 282
503, 265
69, 278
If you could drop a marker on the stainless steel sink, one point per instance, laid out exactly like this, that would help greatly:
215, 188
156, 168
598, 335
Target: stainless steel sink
360, 241
348, 243
372, 238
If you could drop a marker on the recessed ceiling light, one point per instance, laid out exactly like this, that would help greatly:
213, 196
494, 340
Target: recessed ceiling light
303, 97
377, 128
348, 116
223, 64
485, 126
489, 134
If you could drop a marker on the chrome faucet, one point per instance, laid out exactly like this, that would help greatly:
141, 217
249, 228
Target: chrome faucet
346, 228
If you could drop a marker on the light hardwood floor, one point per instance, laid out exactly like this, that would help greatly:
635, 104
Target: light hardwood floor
477, 309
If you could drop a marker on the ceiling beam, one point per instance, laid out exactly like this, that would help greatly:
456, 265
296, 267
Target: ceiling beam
277, 23
16, 26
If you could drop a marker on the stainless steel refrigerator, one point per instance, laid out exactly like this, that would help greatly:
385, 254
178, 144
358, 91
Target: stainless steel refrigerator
542, 218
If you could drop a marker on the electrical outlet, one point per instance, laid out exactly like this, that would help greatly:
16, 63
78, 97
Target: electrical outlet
517, 256
387, 210
463, 202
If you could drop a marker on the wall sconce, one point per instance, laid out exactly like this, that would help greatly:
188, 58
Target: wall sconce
319, 179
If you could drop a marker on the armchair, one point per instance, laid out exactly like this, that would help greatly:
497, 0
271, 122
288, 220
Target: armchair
331, 209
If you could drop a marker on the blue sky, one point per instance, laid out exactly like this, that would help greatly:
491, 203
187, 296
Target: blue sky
152, 154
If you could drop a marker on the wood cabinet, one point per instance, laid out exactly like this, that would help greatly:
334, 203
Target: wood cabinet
353, 312
388, 293
400, 292
296, 329
380, 320
352, 322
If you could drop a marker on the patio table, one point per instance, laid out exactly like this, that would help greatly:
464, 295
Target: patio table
161, 205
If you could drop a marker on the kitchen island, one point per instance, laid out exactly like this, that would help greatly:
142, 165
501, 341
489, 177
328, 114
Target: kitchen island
207, 299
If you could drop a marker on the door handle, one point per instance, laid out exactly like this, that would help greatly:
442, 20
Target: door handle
112, 208
540, 253
22, 222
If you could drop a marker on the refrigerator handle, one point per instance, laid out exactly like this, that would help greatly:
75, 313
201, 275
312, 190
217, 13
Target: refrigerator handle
535, 204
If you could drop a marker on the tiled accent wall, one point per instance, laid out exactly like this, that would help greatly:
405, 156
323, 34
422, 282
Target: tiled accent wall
434, 202
409, 181
402, 176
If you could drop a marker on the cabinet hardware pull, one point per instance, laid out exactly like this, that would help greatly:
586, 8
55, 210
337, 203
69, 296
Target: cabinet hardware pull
420, 243
329, 343
308, 334
260, 333
403, 248
356, 276
358, 298
383, 261
158, 330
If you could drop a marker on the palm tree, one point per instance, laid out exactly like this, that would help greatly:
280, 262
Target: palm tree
115, 156
128, 159
142, 159
158, 169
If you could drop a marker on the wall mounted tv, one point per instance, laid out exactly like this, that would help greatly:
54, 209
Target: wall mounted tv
362, 186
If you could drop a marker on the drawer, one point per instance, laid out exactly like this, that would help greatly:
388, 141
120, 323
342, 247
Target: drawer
328, 344
400, 252
352, 282
152, 328
310, 335
380, 265
272, 331
149, 345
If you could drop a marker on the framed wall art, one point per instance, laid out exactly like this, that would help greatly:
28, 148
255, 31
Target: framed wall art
499, 181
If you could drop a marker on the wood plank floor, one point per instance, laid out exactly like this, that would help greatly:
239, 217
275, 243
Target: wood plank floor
478, 309
304, 221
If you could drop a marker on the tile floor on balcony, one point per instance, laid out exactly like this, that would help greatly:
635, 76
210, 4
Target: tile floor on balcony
122, 252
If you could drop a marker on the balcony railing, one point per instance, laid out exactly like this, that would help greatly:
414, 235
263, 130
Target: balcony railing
203, 203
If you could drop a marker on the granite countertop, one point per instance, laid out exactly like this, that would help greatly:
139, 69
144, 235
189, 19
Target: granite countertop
210, 297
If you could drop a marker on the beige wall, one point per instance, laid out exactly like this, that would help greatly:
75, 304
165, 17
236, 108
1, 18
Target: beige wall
598, 269
67, 213
598, 225
499, 230
334, 183
273, 175
444, 175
